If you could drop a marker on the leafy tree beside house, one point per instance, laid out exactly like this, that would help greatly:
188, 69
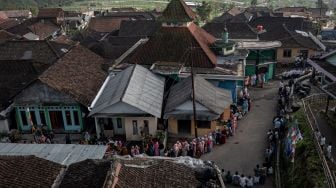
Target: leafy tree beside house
204, 11
254, 3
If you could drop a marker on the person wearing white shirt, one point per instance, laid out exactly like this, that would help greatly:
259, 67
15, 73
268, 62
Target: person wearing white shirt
322, 141
249, 182
243, 180
329, 150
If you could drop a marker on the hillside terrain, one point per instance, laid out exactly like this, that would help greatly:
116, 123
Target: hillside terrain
142, 4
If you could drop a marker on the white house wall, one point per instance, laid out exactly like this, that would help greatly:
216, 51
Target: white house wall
4, 126
121, 108
152, 125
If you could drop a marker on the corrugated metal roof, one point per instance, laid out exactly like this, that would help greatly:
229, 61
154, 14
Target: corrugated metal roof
135, 86
64, 154
211, 97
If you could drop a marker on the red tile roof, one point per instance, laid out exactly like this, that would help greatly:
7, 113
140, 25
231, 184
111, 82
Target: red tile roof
27, 171
50, 13
151, 172
78, 74
8, 23
43, 30
178, 11
86, 174
173, 44
3, 15
105, 24
16, 13
4, 36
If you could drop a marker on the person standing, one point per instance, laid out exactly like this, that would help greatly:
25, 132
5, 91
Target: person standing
242, 181
329, 150
249, 182
156, 149
236, 179
228, 178
317, 133
322, 142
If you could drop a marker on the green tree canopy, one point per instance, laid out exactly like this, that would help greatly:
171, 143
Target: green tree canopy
204, 10
254, 2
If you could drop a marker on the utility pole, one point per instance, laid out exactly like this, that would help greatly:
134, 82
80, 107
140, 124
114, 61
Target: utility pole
193, 94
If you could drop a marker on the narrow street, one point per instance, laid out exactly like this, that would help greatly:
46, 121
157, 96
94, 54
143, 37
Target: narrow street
246, 149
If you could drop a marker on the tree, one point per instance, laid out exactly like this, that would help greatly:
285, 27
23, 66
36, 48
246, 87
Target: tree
204, 10
254, 3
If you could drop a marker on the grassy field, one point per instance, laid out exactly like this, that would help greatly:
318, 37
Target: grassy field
161, 4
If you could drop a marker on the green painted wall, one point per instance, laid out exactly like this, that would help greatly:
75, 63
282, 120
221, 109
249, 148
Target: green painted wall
46, 110
249, 70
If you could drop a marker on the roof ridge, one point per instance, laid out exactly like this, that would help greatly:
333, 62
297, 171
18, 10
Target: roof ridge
173, 13
208, 52
128, 81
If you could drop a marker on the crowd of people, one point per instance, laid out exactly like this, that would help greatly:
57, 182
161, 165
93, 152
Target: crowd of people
249, 181
256, 80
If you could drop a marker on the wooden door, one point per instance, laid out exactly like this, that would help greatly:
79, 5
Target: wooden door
56, 119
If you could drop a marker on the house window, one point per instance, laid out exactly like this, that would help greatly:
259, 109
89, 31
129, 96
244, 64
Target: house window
119, 125
287, 53
184, 126
204, 124
76, 117
108, 125
24, 118
33, 117
68, 117
146, 127
135, 127
42, 118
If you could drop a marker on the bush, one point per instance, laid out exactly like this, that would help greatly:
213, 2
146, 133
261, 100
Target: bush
307, 170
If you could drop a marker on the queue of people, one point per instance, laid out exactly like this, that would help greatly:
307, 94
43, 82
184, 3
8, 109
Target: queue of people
327, 149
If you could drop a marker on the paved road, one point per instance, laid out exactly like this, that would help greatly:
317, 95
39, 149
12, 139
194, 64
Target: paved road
246, 149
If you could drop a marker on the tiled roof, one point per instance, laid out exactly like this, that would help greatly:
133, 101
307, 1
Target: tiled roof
27, 172
271, 24
132, 15
142, 28
16, 13
22, 28
86, 174
292, 9
183, 45
177, 11
63, 39
15, 76
78, 74
242, 17
289, 39
105, 23
4, 36
3, 15
318, 12
8, 23
43, 30
114, 46
50, 13
156, 173
39, 51
236, 30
